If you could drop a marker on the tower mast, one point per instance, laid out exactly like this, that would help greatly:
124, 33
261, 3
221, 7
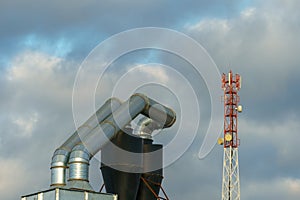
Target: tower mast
231, 84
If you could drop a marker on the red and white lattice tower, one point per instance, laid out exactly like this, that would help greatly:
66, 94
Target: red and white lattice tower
231, 84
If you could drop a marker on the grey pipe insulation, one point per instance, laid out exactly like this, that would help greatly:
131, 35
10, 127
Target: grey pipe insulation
87, 146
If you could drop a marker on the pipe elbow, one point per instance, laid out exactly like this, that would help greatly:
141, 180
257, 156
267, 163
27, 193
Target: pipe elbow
79, 154
78, 163
60, 158
156, 111
58, 167
79, 168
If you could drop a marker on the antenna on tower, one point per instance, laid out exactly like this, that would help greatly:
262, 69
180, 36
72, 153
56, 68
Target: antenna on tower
231, 84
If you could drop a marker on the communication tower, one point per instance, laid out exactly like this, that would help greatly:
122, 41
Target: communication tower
231, 84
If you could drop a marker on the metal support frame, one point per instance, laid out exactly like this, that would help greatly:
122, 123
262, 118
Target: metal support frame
231, 181
153, 192
231, 178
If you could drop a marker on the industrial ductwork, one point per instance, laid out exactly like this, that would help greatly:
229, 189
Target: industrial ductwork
145, 127
112, 117
135, 105
152, 175
133, 178
122, 173
61, 155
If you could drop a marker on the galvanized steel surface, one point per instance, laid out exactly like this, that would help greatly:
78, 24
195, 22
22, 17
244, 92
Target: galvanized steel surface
94, 139
156, 111
78, 163
136, 104
58, 167
102, 113
145, 127
61, 155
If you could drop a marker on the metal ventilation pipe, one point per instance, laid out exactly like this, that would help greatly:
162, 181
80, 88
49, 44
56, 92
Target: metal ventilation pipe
150, 177
145, 127
79, 168
135, 105
100, 135
61, 155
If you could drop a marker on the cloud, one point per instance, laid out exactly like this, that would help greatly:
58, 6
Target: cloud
29, 65
287, 188
36, 92
263, 143
26, 125
10, 171
154, 72
44, 43
260, 44
33, 75
81, 25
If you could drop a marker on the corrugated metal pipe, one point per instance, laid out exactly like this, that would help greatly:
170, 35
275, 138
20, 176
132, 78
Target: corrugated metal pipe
79, 168
100, 135
61, 155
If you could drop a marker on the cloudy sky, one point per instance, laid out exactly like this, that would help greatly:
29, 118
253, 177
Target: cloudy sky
44, 43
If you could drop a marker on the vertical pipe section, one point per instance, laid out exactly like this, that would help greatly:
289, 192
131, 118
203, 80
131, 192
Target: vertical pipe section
61, 155
79, 169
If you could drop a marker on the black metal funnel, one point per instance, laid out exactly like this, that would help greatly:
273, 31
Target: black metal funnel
150, 181
118, 171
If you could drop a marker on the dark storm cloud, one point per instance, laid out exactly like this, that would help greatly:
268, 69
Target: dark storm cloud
86, 23
21, 17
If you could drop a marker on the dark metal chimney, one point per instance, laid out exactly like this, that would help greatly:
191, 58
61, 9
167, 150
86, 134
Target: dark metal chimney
151, 180
119, 172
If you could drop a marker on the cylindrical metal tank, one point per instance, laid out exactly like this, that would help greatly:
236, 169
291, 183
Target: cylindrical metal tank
119, 173
153, 179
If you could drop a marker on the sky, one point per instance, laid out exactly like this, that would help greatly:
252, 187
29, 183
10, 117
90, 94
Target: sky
44, 45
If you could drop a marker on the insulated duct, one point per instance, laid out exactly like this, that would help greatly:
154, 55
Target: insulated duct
135, 105
61, 155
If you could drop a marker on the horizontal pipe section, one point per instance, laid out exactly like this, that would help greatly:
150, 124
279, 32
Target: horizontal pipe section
156, 111
136, 104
